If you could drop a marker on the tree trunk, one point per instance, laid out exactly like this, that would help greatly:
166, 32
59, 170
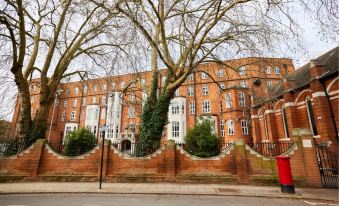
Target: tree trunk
153, 120
40, 123
25, 116
25, 109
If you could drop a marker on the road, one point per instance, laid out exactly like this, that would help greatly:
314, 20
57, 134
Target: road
143, 200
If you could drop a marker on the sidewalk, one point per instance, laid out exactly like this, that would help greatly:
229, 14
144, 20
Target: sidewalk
166, 188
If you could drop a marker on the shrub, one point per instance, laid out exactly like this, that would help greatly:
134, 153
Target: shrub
79, 142
200, 141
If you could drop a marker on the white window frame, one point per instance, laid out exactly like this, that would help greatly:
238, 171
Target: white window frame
84, 101
65, 103
122, 85
222, 85
85, 89
63, 117
95, 88
228, 98
94, 100
190, 77
267, 69
276, 70
104, 86
131, 112
220, 73
242, 70
143, 82
230, 127
205, 89
206, 107
76, 90
163, 79
241, 99
175, 129
113, 85
67, 91
266, 127
285, 124
74, 103
192, 107
243, 84
244, 127
269, 84
177, 92
72, 116
175, 109
222, 128
190, 91
204, 75
103, 100
132, 97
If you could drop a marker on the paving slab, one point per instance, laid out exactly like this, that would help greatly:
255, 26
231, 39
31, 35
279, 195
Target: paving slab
167, 188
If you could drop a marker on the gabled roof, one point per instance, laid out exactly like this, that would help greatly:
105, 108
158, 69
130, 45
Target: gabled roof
302, 77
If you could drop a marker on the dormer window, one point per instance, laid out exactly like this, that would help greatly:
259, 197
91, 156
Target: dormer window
276, 70
76, 90
268, 69
220, 73
190, 77
204, 75
242, 70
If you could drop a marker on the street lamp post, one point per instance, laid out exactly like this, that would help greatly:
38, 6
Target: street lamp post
102, 128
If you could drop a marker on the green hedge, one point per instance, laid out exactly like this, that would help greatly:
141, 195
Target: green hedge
79, 142
200, 141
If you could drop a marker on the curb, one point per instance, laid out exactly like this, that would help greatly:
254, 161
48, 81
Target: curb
183, 194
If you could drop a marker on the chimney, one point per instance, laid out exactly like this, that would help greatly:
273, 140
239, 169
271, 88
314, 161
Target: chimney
317, 68
287, 84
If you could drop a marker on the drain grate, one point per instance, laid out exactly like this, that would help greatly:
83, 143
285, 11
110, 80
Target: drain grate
227, 190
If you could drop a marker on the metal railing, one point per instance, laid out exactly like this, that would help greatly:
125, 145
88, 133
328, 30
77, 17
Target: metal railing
222, 146
272, 149
137, 149
57, 146
10, 147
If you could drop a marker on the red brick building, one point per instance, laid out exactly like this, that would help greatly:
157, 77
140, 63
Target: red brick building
306, 98
224, 95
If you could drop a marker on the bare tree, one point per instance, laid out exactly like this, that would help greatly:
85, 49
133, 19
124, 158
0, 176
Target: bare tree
44, 38
183, 34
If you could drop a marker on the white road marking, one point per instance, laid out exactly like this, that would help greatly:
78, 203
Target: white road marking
319, 203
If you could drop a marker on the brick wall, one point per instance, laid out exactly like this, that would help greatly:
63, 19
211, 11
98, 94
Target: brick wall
239, 163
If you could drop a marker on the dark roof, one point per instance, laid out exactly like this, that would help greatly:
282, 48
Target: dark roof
301, 76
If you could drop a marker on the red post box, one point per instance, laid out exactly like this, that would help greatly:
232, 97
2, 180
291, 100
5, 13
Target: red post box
285, 174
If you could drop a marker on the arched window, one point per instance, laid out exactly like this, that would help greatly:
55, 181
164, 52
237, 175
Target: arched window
311, 118
284, 119
266, 127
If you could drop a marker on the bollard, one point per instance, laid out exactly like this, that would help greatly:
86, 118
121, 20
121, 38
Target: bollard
285, 174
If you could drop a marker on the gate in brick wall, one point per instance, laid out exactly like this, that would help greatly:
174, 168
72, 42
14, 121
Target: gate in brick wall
328, 166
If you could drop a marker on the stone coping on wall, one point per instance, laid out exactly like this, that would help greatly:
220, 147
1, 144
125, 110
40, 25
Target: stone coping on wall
60, 156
